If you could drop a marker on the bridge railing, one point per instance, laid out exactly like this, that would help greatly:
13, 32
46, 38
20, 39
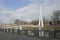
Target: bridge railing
36, 33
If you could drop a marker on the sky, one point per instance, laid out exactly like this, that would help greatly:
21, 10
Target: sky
27, 10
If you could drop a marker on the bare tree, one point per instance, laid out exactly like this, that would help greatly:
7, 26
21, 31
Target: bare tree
17, 21
34, 22
45, 21
20, 22
55, 16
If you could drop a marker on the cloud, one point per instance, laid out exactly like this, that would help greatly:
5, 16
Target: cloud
48, 7
31, 11
27, 13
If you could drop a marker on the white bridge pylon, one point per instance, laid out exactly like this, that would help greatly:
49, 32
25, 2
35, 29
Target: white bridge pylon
41, 24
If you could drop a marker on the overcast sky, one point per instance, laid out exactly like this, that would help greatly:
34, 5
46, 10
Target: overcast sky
26, 9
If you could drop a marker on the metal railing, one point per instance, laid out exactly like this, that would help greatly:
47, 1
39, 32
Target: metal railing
35, 33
